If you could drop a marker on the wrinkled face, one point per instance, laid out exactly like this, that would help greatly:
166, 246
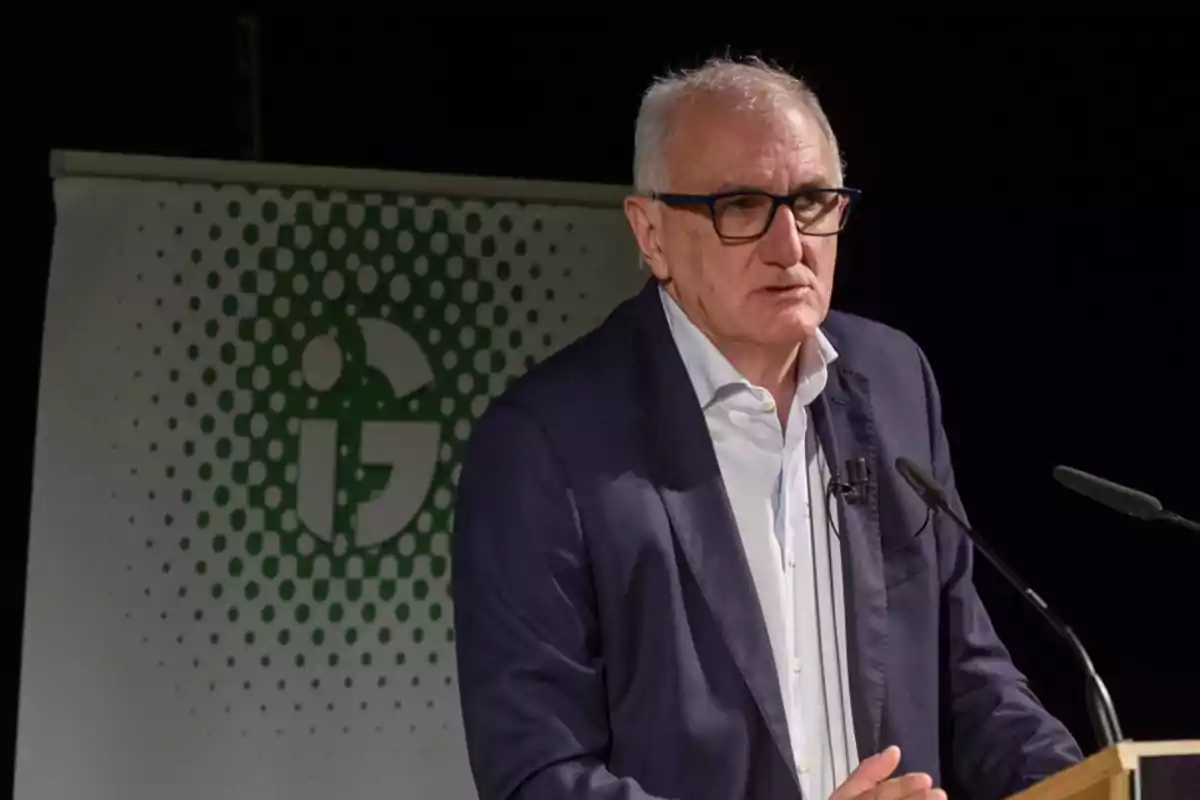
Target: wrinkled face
769, 293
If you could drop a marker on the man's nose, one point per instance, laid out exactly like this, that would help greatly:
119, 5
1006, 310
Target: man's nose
781, 245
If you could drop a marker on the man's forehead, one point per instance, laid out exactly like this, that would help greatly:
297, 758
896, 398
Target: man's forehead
716, 142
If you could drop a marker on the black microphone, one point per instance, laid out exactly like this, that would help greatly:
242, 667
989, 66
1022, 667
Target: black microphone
1100, 706
854, 489
1119, 498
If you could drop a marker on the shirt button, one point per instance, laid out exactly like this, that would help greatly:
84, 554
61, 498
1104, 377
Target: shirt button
802, 766
768, 404
796, 664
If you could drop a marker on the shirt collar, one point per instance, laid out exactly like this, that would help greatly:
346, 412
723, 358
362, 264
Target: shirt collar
710, 372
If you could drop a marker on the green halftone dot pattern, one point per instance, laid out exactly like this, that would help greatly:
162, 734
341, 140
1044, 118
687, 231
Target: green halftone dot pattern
300, 479
319, 284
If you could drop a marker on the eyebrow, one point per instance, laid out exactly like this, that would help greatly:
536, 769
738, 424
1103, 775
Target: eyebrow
813, 183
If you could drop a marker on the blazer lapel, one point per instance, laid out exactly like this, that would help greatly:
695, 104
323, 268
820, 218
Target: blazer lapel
846, 428
702, 521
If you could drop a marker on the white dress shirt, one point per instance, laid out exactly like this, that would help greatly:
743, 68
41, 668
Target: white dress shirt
775, 481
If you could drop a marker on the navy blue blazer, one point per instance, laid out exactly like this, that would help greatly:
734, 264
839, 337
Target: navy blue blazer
609, 639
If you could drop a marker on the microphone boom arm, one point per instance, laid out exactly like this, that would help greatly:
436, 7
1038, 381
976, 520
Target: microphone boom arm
1183, 522
1100, 706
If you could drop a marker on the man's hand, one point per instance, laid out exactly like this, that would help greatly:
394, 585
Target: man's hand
870, 781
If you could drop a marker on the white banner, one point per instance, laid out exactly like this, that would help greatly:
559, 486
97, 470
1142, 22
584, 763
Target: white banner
256, 386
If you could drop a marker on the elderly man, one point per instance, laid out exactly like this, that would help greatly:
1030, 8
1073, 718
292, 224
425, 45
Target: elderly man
683, 567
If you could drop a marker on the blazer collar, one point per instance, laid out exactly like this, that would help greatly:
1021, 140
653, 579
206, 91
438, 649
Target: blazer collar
845, 423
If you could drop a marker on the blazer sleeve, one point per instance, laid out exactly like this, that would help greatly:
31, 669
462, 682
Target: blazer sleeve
530, 673
1001, 738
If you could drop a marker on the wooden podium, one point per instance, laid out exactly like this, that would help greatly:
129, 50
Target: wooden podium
1127, 771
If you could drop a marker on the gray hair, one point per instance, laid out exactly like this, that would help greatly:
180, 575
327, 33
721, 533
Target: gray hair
753, 82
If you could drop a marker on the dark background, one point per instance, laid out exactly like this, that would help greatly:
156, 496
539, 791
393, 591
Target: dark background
1030, 201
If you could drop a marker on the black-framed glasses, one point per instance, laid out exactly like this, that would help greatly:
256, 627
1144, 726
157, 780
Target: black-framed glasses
746, 215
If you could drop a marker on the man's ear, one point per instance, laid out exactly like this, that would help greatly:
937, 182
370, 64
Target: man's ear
645, 220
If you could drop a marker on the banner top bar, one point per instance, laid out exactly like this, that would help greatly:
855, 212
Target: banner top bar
79, 163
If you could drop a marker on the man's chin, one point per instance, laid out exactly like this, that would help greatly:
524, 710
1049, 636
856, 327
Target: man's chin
788, 333
783, 325
799, 322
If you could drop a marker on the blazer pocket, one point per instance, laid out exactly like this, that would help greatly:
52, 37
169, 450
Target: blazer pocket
903, 563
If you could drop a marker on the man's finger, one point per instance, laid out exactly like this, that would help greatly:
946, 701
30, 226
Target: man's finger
912, 786
869, 773
924, 794
928, 794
